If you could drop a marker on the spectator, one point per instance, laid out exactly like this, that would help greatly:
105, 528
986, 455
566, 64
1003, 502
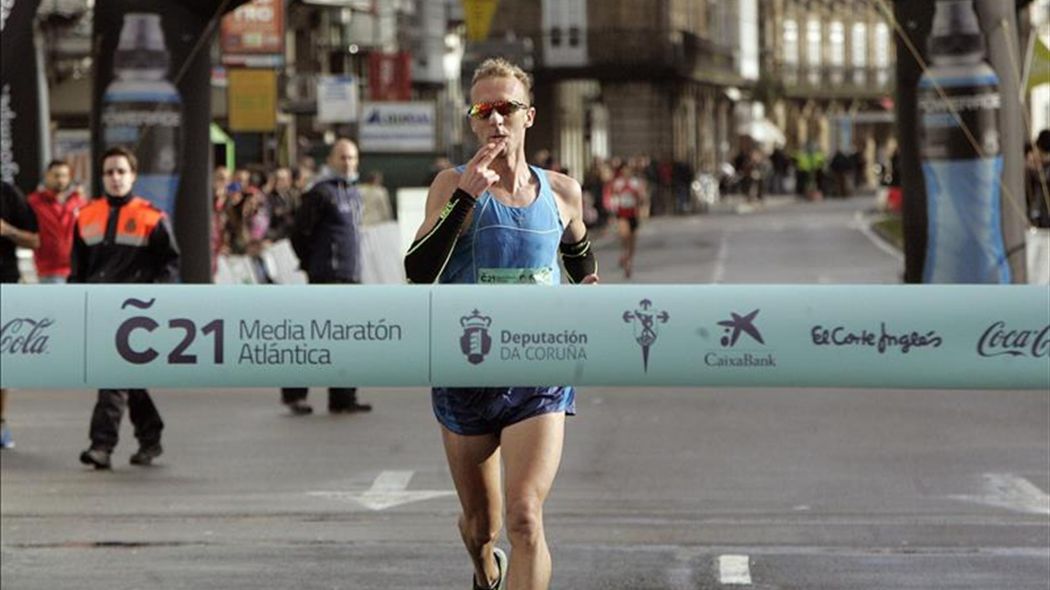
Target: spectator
302, 179
781, 165
238, 211
841, 170
594, 187
441, 163
1038, 177
18, 229
308, 164
123, 238
375, 200
281, 203
810, 170
220, 187
681, 179
662, 198
860, 168
326, 238
56, 209
895, 191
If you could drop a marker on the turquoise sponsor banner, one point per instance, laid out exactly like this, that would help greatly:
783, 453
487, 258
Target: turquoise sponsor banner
233, 336
743, 335
950, 336
42, 336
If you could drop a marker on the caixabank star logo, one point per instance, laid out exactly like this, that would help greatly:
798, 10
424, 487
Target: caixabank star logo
475, 341
646, 321
738, 325
742, 344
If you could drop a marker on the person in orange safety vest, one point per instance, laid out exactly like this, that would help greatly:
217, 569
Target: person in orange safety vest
122, 238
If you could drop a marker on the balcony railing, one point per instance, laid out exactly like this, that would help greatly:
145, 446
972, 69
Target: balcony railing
835, 81
653, 52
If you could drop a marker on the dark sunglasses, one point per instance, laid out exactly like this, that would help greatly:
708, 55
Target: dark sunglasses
505, 108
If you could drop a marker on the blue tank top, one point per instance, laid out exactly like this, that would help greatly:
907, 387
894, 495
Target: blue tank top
505, 244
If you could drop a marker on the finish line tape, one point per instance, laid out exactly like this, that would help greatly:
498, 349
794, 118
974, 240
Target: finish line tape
195, 336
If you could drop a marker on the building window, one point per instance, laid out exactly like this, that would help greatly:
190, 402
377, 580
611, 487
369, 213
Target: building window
790, 42
860, 45
882, 54
882, 45
837, 43
813, 56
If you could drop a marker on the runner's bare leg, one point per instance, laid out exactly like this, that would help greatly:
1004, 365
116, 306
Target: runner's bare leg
474, 462
531, 454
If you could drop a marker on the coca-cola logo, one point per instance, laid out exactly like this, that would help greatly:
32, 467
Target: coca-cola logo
999, 339
25, 336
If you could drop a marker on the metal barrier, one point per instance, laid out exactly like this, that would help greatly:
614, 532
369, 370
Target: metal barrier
887, 336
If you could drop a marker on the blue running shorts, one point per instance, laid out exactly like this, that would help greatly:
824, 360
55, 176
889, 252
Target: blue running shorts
488, 410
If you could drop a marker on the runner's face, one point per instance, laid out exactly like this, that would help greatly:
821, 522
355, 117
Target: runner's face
496, 127
117, 176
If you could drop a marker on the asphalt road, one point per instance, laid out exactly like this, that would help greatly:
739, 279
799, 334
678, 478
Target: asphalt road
659, 488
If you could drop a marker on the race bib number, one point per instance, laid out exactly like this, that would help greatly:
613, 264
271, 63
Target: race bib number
516, 276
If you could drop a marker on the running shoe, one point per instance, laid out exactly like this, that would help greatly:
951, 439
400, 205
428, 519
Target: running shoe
145, 455
350, 408
6, 442
501, 564
300, 408
97, 457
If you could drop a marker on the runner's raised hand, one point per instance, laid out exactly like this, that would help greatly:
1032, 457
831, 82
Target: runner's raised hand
477, 177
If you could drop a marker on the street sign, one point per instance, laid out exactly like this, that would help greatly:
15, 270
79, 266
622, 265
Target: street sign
252, 97
478, 14
398, 127
253, 30
337, 99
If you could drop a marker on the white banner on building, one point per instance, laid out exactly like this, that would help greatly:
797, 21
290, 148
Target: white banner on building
337, 99
565, 32
748, 55
397, 127
428, 48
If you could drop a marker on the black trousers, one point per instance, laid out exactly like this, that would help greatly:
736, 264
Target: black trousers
109, 409
338, 397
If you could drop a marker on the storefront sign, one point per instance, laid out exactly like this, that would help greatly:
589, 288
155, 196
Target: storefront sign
397, 127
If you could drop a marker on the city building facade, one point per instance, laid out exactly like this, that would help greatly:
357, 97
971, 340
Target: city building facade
634, 77
828, 74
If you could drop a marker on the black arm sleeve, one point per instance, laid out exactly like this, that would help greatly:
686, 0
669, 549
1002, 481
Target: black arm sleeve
579, 259
428, 255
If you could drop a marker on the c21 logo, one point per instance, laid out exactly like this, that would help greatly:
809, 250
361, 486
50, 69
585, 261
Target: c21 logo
178, 355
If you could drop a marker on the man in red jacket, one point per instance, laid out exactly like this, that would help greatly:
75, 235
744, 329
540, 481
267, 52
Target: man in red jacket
56, 211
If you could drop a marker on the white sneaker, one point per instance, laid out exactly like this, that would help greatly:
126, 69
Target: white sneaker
501, 564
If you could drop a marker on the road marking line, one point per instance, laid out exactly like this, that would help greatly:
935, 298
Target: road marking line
861, 224
388, 490
391, 481
1006, 490
719, 273
734, 569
